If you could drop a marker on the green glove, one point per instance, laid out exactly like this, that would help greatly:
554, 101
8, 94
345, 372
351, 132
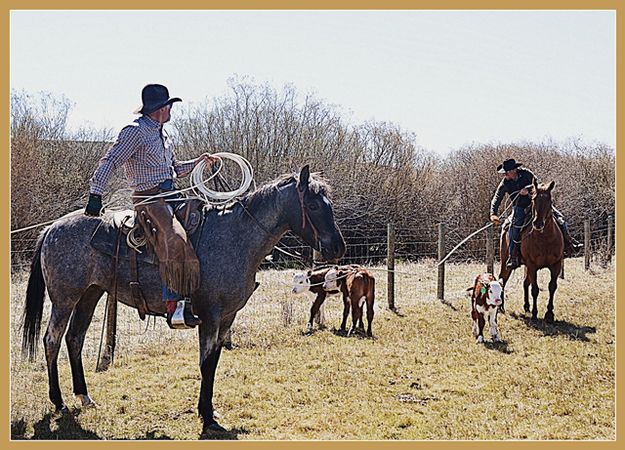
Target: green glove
94, 206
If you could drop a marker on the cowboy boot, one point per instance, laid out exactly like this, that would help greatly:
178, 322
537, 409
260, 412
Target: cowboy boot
513, 260
571, 246
182, 316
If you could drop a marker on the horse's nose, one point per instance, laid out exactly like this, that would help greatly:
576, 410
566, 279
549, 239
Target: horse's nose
339, 248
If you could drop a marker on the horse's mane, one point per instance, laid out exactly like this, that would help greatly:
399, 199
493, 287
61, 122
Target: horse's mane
316, 184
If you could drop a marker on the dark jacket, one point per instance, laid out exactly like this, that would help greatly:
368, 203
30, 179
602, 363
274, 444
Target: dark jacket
525, 177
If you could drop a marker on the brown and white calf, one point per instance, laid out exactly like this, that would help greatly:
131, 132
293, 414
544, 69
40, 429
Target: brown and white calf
485, 302
358, 288
312, 282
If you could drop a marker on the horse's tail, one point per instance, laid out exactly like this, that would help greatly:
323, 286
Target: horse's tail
33, 309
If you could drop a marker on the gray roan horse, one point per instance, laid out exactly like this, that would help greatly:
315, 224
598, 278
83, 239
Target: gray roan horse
231, 247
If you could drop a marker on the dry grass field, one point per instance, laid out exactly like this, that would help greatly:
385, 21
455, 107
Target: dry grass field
421, 377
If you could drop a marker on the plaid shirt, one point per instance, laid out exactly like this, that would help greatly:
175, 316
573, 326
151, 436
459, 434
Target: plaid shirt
146, 155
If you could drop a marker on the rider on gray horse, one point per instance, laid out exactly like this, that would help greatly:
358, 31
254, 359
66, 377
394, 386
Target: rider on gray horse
145, 152
515, 183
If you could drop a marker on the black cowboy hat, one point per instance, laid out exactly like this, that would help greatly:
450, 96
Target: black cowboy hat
153, 97
507, 165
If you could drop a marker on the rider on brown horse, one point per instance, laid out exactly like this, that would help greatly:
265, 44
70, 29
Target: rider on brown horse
144, 150
515, 183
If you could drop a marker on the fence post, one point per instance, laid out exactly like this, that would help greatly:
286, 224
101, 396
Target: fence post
586, 244
390, 265
490, 250
441, 267
320, 317
610, 238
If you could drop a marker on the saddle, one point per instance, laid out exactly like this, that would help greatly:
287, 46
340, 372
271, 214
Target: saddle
508, 221
112, 235
189, 213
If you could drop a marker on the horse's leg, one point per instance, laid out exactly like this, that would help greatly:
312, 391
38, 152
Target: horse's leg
59, 317
532, 276
504, 271
210, 351
321, 296
526, 297
553, 285
75, 338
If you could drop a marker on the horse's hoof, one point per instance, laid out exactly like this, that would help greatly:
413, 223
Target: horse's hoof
549, 317
216, 414
214, 427
479, 340
86, 401
61, 410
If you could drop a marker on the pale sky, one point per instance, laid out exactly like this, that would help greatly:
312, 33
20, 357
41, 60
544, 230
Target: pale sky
451, 77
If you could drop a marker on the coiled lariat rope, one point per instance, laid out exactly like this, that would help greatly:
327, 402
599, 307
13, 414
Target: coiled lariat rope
199, 183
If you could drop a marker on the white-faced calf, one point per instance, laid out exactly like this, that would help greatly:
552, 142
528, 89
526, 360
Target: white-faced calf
358, 288
485, 303
312, 282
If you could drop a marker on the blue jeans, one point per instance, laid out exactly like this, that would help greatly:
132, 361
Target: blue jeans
169, 295
514, 233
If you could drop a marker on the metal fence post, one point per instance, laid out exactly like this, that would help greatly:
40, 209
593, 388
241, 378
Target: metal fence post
441, 267
586, 244
390, 265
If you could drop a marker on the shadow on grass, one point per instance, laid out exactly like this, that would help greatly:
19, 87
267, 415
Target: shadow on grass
448, 303
67, 428
498, 346
558, 328
228, 435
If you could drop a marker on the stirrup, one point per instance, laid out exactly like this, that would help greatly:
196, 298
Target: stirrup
182, 318
513, 263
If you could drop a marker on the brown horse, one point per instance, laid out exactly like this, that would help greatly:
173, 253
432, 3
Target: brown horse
542, 246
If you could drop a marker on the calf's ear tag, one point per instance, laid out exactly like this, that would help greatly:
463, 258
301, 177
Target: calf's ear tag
483, 290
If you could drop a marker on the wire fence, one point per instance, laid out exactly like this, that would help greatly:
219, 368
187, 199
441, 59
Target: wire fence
369, 247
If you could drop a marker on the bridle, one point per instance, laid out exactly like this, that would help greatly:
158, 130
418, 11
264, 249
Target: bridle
306, 216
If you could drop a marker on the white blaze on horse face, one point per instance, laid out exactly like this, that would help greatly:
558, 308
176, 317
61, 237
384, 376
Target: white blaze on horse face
494, 293
330, 283
301, 283
325, 200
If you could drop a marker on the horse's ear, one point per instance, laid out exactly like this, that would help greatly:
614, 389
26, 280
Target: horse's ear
551, 185
304, 176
